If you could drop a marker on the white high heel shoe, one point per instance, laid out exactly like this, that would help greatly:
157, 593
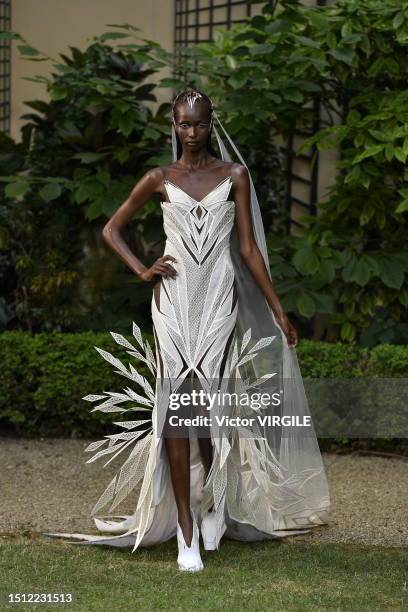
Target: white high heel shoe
209, 531
189, 558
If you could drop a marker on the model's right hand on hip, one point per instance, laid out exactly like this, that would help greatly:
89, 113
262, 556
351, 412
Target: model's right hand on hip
160, 268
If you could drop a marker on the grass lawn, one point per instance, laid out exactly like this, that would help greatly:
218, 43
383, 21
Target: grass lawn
283, 575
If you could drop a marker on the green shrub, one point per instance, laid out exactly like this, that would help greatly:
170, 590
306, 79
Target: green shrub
45, 376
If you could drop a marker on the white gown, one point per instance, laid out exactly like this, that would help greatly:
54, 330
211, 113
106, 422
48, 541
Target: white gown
194, 322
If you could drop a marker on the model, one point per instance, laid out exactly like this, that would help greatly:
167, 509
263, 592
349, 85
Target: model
246, 470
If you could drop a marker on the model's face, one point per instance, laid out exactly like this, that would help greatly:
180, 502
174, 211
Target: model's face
192, 125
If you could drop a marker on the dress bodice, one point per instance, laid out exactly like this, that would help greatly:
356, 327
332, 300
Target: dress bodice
198, 227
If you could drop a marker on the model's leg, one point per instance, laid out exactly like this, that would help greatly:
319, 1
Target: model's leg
204, 432
206, 452
178, 452
205, 443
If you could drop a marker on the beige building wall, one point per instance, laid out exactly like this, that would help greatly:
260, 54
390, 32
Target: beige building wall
53, 25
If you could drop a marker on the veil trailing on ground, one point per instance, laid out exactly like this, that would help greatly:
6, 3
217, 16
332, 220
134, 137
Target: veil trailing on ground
292, 474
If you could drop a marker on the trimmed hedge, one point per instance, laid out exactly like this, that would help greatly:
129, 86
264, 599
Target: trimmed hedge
44, 377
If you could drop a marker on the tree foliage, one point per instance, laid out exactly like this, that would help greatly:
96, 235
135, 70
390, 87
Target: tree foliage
81, 153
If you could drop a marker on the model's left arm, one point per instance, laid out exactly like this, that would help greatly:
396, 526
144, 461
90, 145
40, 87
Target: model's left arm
250, 252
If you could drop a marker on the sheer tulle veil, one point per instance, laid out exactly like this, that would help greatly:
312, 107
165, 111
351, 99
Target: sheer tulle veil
291, 453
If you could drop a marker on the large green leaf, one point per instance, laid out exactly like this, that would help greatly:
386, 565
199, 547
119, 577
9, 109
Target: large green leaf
325, 273
391, 273
348, 331
112, 36
362, 272
127, 123
28, 50
10, 36
50, 192
369, 152
306, 261
18, 188
306, 305
359, 270
90, 158
343, 55
324, 302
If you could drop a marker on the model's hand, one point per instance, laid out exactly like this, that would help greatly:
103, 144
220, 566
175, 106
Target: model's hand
160, 268
288, 329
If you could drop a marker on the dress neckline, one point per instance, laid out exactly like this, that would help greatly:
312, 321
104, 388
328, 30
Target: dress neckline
228, 178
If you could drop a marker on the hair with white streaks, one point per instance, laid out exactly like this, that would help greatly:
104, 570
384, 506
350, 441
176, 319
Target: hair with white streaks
192, 96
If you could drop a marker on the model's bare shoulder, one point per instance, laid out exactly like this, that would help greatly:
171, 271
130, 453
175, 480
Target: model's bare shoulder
154, 178
239, 174
226, 166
